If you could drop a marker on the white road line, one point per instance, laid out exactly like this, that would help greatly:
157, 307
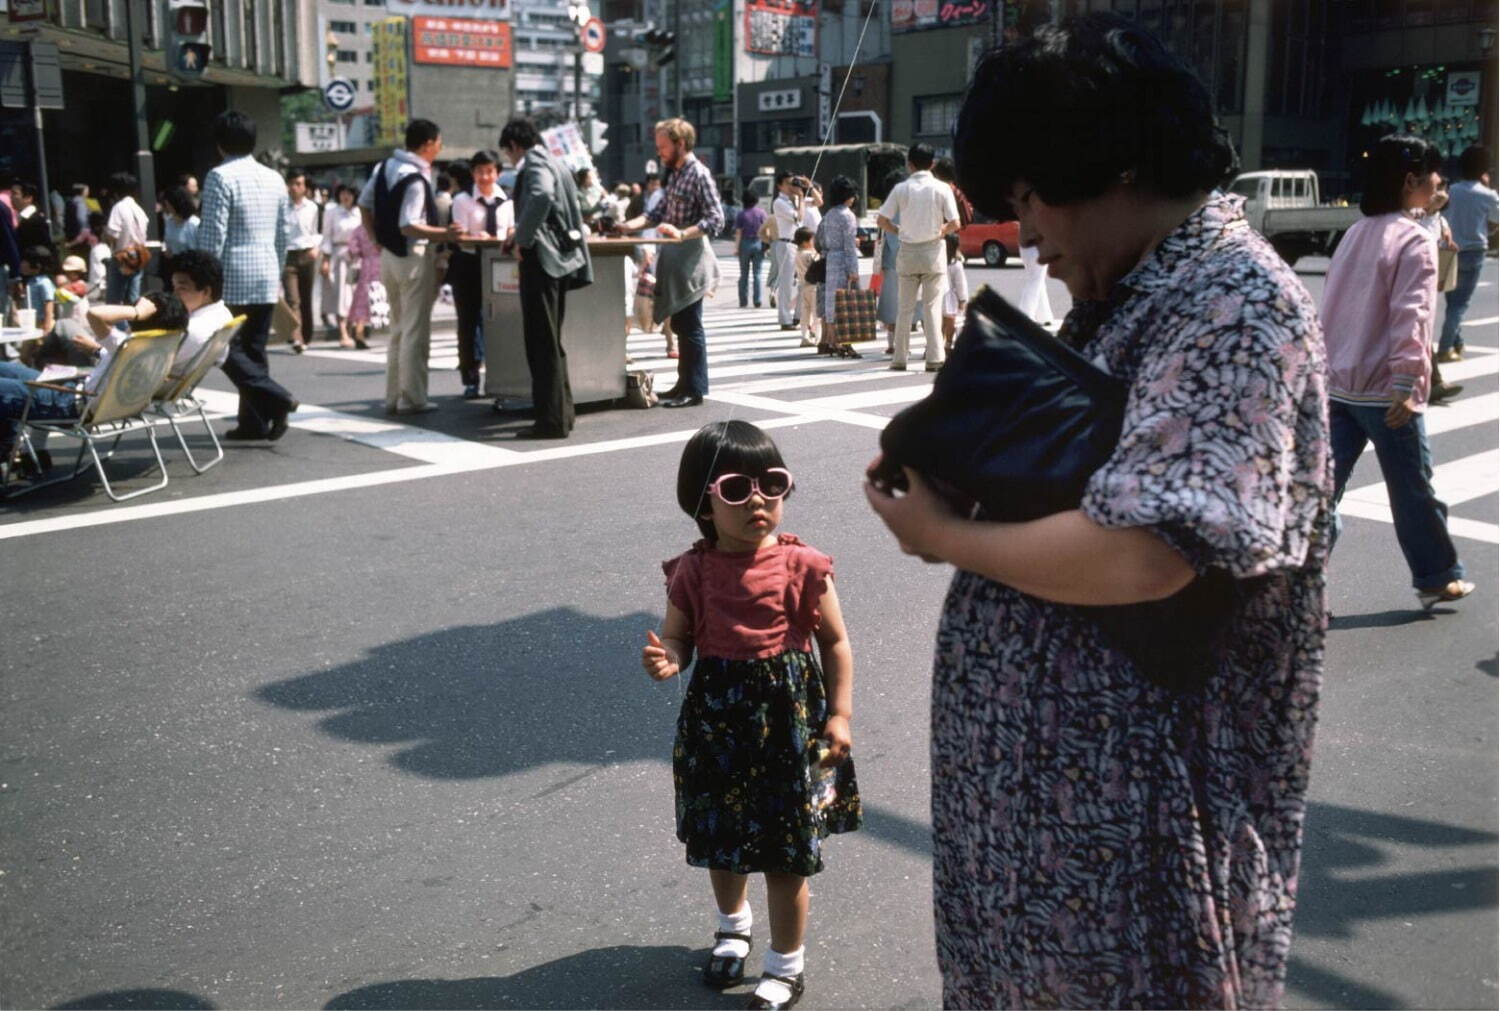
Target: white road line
1487, 321
1464, 412
789, 383
1471, 367
1455, 482
869, 398
1458, 526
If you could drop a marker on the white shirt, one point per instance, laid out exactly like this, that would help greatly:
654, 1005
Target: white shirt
811, 218
785, 214
958, 288
469, 212
402, 163
99, 255
127, 224
177, 236
302, 227
203, 323
339, 224
925, 203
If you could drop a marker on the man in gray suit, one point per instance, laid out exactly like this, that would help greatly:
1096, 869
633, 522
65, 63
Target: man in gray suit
554, 257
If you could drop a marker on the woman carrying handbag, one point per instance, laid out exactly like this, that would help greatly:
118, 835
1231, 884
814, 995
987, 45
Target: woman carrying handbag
841, 253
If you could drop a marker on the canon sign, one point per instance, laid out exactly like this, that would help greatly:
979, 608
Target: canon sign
488, 10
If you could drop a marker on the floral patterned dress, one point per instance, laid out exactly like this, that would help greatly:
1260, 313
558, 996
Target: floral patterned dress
1100, 841
750, 795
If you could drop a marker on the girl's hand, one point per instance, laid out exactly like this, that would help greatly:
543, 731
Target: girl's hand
656, 659
836, 732
917, 518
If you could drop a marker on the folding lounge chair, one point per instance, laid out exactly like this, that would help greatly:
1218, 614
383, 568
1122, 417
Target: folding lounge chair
116, 407
176, 400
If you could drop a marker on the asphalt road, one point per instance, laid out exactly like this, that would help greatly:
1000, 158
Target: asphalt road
357, 720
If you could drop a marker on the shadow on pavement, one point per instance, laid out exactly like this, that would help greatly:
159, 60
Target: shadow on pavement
1340, 885
1378, 619
167, 1000
491, 700
624, 976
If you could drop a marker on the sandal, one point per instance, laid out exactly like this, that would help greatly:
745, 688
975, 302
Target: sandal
725, 971
847, 351
1456, 590
793, 983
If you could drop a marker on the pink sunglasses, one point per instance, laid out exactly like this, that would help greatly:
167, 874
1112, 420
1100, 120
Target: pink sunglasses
736, 489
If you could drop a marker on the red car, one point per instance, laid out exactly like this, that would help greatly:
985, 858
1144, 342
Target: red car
993, 240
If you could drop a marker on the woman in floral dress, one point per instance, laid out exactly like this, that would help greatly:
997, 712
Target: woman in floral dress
364, 260
1101, 840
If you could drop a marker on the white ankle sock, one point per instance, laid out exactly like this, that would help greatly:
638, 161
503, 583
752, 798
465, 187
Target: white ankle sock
776, 963
734, 923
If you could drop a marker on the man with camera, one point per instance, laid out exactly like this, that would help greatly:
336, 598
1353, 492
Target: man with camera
786, 213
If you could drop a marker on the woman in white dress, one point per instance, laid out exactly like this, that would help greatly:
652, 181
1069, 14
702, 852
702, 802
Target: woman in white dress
340, 220
1034, 301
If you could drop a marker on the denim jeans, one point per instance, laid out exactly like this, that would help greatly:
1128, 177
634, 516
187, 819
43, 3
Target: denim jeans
119, 289
1406, 464
692, 367
46, 404
1469, 263
751, 255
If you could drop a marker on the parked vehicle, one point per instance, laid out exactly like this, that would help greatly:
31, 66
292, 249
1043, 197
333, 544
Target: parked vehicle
1284, 206
990, 239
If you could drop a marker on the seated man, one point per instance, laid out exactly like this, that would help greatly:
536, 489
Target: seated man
155, 311
198, 281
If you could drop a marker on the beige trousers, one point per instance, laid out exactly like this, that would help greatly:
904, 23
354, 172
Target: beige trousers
409, 282
920, 274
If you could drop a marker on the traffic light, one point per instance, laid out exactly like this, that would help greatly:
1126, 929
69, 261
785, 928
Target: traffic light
188, 48
663, 46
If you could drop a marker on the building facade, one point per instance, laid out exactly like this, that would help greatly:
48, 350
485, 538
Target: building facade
258, 48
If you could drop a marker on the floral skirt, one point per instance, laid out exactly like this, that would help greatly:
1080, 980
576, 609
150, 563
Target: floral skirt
750, 797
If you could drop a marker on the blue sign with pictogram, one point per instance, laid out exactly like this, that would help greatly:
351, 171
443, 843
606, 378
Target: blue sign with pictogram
591, 35
339, 94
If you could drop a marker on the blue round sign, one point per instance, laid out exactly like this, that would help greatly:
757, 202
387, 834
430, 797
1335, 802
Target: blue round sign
339, 94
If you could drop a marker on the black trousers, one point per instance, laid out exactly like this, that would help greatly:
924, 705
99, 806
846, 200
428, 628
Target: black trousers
468, 301
543, 302
262, 399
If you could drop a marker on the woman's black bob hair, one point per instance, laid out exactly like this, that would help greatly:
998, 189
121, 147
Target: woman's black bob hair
841, 189
724, 447
1078, 104
1394, 158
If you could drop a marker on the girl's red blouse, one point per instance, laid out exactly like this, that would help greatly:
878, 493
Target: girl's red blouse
750, 605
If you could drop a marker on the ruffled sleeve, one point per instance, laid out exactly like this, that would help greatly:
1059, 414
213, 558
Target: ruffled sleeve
1223, 453
808, 572
684, 576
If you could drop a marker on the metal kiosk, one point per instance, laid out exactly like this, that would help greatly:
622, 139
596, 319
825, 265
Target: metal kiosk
593, 326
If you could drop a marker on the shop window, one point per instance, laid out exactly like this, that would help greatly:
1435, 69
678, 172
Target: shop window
346, 27
936, 114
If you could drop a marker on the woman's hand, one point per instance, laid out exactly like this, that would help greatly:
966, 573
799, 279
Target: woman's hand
667, 231
657, 660
325, 267
853, 280
1401, 411
840, 740
917, 517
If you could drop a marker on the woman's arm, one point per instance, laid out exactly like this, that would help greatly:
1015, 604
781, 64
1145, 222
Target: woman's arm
838, 675
1066, 557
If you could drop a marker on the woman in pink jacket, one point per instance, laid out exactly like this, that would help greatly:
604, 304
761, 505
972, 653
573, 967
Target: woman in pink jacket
1377, 321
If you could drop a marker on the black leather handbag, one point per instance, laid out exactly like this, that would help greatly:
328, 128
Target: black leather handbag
1016, 424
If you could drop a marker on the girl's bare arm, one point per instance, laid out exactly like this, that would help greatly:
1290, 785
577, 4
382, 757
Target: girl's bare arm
838, 675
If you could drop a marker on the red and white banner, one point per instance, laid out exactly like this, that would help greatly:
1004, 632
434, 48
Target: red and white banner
781, 27
461, 42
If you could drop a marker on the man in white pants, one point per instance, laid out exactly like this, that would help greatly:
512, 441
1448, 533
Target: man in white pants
398, 209
928, 212
786, 211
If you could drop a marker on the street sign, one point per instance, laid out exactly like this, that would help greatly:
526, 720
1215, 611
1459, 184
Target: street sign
592, 35
339, 94
313, 137
27, 10
593, 63
1463, 87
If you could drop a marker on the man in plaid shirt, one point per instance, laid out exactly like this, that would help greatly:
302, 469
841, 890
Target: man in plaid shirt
690, 212
243, 224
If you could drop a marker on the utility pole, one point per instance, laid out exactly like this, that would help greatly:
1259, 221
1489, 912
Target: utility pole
145, 168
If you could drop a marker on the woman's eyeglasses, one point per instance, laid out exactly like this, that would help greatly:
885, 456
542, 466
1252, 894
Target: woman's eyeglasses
736, 489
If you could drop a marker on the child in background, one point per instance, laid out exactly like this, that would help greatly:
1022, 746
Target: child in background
956, 302
38, 291
807, 291
99, 256
761, 761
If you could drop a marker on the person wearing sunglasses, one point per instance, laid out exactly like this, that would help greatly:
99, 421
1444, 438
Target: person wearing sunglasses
761, 761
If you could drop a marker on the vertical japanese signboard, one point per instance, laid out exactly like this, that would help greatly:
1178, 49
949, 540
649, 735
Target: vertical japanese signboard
388, 41
723, 51
461, 42
781, 27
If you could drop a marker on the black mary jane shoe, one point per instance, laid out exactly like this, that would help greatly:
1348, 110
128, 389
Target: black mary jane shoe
725, 971
686, 400
794, 983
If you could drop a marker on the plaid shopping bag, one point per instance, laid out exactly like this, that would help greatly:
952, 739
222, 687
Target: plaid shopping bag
854, 315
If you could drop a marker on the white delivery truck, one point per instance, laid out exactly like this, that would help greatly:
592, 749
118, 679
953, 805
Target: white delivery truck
1284, 206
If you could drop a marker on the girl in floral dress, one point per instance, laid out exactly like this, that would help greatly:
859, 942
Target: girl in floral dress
761, 762
364, 262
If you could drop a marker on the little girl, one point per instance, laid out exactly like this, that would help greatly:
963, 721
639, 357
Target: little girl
957, 300
807, 291
761, 761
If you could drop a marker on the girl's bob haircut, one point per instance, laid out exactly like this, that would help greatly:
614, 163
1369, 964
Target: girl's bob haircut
724, 447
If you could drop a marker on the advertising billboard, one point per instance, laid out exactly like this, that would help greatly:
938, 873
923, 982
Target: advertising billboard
388, 41
461, 42
781, 27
